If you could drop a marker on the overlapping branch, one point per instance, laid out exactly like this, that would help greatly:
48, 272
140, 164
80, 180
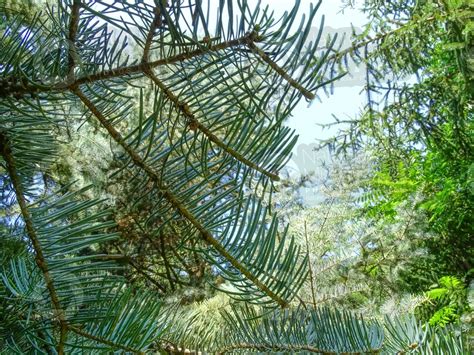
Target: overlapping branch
174, 200
41, 260
196, 125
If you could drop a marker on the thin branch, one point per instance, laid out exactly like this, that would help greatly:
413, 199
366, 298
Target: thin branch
103, 341
151, 33
310, 268
174, 201
379, 37
142, 272
165, 260
306, 93
40, 259
196, 125
140, 68
73, 27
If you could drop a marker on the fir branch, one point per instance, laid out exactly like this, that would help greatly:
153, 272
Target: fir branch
288, 348
103, 341
381, 36
126, 71
310, 268
251, 44
194, 124
154, 25
73, 27
145, 66
40, 259
174, 201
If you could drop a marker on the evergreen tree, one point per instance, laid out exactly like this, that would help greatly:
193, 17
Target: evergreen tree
202, 154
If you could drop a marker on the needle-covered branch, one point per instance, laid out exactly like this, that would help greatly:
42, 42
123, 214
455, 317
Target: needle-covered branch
40, 259
194, 123
175, 201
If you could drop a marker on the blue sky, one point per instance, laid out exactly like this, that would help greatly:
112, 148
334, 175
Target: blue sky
346, 100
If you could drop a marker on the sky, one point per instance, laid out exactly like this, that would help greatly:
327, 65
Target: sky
344, 103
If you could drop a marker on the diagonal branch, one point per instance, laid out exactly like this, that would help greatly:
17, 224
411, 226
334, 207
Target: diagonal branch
195, 124
286, 348
380, 37
142, 67
248, 40
40, 259
174, 201
6, 90
156, 23
103, 341
73, 27
251, 44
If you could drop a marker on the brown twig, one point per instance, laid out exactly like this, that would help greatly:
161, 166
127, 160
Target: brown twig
251, 44
310, 268
73, 27
288, 348
103, 341
156, 22
130, 70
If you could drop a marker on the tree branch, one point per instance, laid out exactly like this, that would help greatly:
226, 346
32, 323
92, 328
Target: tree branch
151, 33
380, 37
174, 201
103, 341
40, 259
309, 95
73, 27
196, 125
25, 88
288, 348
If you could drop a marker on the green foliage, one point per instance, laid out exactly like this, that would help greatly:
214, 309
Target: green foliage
187, 153
419, 131
445, 302
244, 329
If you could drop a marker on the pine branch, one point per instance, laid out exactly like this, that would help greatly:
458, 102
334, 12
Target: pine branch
25, 88
251, 44
154, 24
310, 268
73, 27
104, 341
194, 124
249, 40
287, 348
40, 259
174, 201
381, 36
